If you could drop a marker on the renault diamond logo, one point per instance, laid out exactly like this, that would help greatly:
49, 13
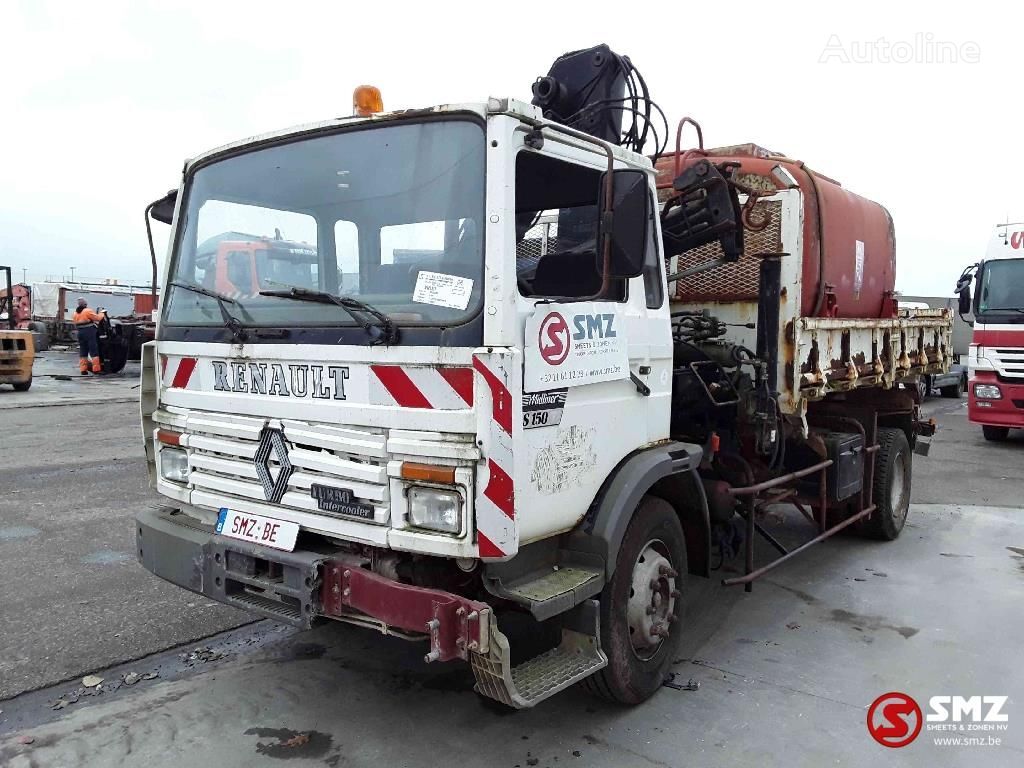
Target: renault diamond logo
272, 443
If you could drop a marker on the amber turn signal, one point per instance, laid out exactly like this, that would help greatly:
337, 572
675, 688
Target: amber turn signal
168, 438
366, 101
429, 472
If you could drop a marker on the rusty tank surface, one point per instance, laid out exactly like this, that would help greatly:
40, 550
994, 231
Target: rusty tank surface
847, 251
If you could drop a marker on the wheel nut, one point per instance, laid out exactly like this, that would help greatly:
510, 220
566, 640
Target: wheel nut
676, 594
667, 571
651, 610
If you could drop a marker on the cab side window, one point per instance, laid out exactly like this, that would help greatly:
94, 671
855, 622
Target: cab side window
556, 230
654, 287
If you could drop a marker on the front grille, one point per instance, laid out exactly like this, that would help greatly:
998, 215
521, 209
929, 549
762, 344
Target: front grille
737, 281
12, 345
1009, 362
223, 448
222, 453
1019, 403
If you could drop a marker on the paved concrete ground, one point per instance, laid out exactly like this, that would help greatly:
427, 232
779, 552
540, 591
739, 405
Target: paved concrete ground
786, 672
72, 598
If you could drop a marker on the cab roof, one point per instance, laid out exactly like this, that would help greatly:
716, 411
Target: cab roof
526, 112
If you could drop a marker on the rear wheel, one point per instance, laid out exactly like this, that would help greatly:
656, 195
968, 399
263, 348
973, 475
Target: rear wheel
954, 390
995, 434
641, 607
23, 386
891, 489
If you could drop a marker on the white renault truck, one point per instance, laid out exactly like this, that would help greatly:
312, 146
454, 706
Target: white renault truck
420, 370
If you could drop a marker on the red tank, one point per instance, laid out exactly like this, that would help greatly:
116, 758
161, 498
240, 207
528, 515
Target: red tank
849, 245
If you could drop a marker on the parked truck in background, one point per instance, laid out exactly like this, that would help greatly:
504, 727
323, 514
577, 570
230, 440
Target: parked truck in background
996, 358
483, 396
953, 383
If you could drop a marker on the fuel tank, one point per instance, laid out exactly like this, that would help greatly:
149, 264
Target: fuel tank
848, 254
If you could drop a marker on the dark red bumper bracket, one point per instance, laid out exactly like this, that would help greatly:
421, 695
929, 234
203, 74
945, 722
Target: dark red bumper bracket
456, 626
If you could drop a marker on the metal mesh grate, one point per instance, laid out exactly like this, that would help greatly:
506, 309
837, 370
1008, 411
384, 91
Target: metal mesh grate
731, 282
540, 239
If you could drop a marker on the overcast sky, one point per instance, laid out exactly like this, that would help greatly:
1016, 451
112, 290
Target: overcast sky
102, 101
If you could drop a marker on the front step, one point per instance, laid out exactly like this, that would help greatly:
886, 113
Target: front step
536, 679
550, 589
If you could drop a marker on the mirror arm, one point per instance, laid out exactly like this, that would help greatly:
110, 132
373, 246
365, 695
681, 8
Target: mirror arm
152, 252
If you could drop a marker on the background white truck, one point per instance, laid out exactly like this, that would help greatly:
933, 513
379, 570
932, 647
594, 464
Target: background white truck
472, 396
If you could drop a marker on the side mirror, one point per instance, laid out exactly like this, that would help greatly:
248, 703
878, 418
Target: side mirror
630, 219
162, 210
965, 300
963, 290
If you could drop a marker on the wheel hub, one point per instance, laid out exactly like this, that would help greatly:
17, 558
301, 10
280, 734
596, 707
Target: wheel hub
652, 600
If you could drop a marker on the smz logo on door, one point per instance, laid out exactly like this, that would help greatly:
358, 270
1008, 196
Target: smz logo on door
554, 337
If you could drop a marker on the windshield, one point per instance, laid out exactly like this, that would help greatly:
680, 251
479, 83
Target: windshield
1002, 286
390, 215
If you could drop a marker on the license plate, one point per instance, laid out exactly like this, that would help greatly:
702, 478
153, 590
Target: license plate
257, 529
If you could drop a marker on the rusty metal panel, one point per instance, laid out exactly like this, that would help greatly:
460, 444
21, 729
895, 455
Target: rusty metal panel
839, 354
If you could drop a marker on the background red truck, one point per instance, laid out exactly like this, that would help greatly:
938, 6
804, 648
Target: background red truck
996, 359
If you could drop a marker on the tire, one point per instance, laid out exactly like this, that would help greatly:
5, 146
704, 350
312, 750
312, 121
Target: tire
634, 674
891, 488
23, 386
954, 390
995, 434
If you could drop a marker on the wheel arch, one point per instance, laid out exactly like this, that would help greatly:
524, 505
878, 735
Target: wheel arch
667, 471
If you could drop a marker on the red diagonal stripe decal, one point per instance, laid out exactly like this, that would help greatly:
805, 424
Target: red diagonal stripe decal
500, 397
461, 380
163, 366
184, 372
397, 382
487, 547
500, 490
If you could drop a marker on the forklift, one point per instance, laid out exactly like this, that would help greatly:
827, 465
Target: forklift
17, 348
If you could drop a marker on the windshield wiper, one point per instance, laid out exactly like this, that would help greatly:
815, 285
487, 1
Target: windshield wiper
381, 329
232, 323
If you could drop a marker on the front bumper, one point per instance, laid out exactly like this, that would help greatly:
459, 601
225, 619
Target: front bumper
1008, 411
303, 587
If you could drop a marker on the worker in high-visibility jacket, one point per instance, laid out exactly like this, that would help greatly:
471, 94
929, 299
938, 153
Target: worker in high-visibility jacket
86, 323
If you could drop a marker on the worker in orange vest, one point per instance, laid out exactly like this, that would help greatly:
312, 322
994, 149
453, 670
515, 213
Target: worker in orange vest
86, 321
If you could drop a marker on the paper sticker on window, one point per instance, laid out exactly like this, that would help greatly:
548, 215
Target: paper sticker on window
442, 290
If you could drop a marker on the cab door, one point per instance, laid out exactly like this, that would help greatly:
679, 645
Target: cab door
596, 366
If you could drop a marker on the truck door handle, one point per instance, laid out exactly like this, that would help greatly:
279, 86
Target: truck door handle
642, 388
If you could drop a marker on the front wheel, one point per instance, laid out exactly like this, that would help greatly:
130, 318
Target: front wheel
23, 386
891, 489
641, 607
995, 434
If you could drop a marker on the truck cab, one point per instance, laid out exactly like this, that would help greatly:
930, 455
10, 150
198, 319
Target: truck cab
996, 357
